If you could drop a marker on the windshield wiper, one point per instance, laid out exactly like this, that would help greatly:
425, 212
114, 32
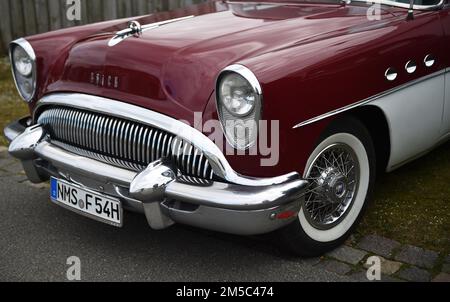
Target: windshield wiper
411, 10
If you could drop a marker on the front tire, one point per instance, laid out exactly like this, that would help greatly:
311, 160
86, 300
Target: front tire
341, 170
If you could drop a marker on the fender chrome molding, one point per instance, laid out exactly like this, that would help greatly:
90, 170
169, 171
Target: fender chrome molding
218, 162
369, 100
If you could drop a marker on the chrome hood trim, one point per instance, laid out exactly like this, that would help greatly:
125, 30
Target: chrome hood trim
219, 163
135, 29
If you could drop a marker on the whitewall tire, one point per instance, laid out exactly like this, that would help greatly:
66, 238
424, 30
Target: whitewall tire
341, 171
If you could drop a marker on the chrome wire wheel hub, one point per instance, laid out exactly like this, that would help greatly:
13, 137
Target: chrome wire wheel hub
334, 179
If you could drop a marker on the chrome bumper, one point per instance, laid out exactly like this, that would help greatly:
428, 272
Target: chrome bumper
160, 192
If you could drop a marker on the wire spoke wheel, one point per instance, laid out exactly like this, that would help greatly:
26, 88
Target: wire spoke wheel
341, 175
334, 180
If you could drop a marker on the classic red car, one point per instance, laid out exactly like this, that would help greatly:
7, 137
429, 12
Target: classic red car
251, 118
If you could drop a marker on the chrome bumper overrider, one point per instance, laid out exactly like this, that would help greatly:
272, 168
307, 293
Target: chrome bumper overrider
160, 192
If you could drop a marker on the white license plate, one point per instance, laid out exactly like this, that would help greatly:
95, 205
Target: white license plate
85, 202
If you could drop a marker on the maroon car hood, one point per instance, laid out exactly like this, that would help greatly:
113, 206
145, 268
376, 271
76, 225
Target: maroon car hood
172, 69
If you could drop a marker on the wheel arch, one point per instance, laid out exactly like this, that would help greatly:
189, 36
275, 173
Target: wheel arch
377, 124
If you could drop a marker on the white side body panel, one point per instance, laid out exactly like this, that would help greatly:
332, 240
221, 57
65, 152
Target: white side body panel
415, 118
447, 104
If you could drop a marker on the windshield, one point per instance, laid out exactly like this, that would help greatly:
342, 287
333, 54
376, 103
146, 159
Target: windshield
406, 3
400, 3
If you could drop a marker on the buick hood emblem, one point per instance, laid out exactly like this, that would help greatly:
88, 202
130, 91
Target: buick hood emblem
105, 80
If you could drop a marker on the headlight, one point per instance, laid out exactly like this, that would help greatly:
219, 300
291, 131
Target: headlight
237, 94
239, 97
23, 64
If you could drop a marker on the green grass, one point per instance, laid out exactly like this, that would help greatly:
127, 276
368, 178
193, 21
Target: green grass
11, 105
411, 205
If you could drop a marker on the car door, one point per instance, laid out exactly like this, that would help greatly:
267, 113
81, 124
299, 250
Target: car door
445, 19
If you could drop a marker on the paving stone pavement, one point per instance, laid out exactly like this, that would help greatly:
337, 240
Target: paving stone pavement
388, 267
415, 274
417, 256
398, 262
401, 262
348, 254
442, 277
379, 245
335, 266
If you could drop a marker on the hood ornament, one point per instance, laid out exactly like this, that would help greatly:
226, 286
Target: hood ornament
134, 29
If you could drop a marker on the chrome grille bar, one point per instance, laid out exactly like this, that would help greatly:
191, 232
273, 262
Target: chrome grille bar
121, 142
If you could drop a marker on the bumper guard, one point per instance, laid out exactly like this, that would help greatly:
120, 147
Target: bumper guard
160, 192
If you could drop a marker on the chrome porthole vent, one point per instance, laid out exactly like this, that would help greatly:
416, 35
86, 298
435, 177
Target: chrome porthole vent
429, 60
411, 67
391, 74
333, 186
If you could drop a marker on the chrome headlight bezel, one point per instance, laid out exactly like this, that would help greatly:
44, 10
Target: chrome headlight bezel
19, 79
253, 116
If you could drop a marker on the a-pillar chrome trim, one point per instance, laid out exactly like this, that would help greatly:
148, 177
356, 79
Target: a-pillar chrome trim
110, 107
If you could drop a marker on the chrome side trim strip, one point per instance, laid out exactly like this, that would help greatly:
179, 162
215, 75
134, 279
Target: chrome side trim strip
369, 100
114, 108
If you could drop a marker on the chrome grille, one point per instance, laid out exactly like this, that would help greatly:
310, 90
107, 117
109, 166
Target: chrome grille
121, 142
